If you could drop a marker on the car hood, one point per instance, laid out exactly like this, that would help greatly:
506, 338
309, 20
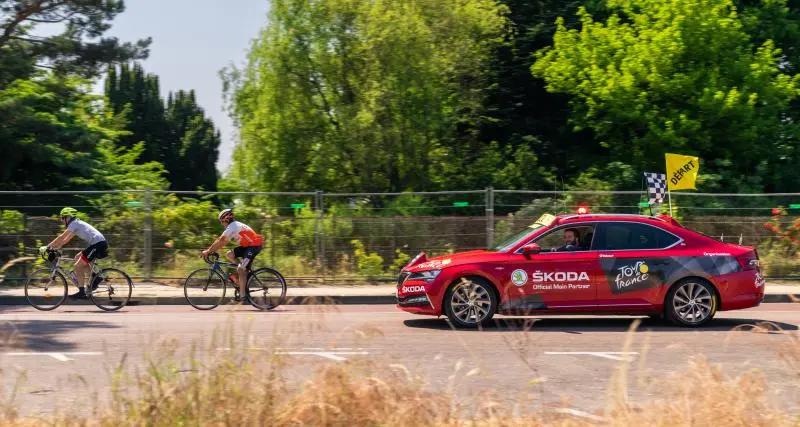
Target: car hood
422, 263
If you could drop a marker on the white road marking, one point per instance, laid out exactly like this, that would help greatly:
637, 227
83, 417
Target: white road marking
10, 316
579, 413
337, 354
60, 356
332, 355
613, 355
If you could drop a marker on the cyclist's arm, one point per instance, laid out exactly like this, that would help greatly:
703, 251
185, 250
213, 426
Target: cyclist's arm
61, 240
220, 242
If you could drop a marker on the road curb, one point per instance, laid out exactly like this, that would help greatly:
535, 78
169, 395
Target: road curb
311, 300
781, 298
293, 300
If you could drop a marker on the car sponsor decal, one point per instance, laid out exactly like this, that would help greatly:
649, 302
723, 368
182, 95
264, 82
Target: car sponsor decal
519, 277
407, 289
560, 280
636, 274
759, 282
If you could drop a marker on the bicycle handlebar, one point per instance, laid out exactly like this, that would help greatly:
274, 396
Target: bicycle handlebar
50, 255
211, 258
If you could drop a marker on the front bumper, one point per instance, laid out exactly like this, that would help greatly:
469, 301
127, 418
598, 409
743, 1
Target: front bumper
416, 296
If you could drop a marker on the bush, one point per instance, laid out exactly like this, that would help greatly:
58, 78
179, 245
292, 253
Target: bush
369, 264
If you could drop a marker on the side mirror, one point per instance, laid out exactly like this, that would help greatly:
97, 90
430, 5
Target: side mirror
532, 248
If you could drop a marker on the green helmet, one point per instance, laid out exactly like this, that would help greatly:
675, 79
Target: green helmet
68, 212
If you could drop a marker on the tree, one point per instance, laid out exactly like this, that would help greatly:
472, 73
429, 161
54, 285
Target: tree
520, 111
55, 136
192, 145
79, 49
679, 76
349, 95
177, 134
137, 97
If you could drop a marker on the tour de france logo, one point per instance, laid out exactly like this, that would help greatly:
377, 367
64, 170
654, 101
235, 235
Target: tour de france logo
630, 275
519, 277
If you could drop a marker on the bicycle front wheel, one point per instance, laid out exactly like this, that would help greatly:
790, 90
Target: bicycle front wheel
111, 289
204, 289
266, 288
46, 290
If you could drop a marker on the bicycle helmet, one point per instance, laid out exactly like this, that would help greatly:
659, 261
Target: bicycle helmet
68, 211
225, 214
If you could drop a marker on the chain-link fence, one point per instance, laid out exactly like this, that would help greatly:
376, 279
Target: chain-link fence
335, 237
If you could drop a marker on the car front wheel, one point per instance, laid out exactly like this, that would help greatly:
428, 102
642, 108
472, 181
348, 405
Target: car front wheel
470, 302
691, 303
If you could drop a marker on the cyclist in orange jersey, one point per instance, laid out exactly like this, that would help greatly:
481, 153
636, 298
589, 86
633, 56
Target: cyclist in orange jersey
249, 244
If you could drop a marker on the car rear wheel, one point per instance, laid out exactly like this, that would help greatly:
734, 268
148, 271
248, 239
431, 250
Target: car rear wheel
470, 302
691, 303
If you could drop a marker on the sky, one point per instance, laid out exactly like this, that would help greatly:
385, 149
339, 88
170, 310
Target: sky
192, 41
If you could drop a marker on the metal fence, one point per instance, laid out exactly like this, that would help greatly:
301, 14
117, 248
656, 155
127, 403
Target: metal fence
341, 236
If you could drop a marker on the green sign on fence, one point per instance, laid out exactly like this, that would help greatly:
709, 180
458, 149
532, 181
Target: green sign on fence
134, 204
794, 206
298, 205
460, 204
644, 204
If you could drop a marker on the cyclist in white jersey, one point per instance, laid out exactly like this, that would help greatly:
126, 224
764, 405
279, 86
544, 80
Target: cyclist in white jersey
249, 245
97, 246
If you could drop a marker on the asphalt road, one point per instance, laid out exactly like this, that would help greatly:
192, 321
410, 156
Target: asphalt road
64, 354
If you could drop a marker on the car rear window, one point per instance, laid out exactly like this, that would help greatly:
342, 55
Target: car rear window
631, 236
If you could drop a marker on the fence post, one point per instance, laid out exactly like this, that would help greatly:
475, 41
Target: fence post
148, 235
489, 217
324, 259
317, 237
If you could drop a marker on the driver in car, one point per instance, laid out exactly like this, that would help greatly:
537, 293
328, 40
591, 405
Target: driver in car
571, 241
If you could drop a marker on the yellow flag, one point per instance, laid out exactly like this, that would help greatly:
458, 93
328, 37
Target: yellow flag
681, 171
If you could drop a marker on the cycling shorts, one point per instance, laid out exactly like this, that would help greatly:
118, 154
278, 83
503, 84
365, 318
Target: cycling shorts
98, 250
246, 254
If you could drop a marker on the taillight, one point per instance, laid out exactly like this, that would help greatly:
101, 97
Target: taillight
748, 261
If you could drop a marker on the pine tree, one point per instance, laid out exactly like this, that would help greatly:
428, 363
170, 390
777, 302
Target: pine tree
177, 134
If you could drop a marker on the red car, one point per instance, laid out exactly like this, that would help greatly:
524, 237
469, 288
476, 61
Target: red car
590, 264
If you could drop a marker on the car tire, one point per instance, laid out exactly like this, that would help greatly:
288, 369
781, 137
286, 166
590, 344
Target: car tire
691, 303
470, 302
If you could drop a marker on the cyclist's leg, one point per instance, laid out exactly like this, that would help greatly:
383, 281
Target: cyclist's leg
82, 267
231, 255
235, 257
248, 254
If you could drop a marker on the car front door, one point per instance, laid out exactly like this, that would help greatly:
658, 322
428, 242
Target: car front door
556, 277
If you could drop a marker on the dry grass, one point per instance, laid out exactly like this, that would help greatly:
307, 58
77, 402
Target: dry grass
242, 388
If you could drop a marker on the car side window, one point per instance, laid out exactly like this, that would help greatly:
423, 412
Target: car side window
631, 236
561, 239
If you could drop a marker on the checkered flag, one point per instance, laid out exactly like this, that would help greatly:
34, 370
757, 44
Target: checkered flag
656, 186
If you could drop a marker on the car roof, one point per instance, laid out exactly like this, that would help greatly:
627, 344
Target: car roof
570, 218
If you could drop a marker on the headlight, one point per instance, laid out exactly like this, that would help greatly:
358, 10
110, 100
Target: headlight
425, 276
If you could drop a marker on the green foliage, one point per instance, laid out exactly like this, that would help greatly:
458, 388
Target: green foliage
400, 260
11, 222
79, 49
680, 76
187, 223
369, 264
367, 96
176, 134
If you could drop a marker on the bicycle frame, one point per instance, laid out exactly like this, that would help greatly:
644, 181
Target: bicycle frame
56, 266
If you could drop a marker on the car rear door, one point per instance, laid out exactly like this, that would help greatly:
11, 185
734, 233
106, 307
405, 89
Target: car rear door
633, 264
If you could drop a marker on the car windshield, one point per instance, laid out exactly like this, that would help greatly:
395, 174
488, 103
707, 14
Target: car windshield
543, 221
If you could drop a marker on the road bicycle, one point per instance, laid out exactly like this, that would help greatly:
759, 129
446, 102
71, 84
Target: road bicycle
46, 289
205, 287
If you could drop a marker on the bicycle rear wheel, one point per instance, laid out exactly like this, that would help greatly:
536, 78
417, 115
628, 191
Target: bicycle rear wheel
266, 288
114, 289
204, 289
44, 290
